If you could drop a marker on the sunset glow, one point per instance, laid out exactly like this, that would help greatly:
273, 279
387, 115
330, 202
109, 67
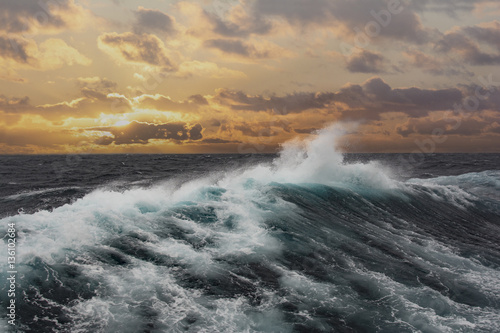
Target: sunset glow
245, 76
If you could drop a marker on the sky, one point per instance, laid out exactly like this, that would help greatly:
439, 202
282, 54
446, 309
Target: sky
227, 76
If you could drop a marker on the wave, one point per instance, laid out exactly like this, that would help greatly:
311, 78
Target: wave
305, 243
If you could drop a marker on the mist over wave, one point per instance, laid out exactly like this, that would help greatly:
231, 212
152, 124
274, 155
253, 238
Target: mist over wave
303, 243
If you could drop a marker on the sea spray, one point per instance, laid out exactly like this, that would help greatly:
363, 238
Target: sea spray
317, 159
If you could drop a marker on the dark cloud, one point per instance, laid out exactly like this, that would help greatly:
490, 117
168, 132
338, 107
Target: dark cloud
198, 99
368, 101
366, 62
13, 48
296, 11
96, 83
195, 132
235, 46
14, 103
352, 15
254, 131
153, 21
292, 103
23, 16
429, 127
489, 34
138, 48
215, 122
305, 130
450, 7
253, 25
93, 94
457, 42
218, 141
229, 46
434, 66
415, 102
13, 108
141, 133
96, 88
487, 97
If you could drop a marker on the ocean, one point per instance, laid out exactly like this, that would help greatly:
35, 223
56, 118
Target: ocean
308, 240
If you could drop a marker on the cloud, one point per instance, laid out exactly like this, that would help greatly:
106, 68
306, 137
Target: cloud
292, 103
15, 49
296, 11
42, 16
164, 103
414, 102
143, 49
50, 54
153, 21
98, 99
253, 130
91, 105
488, 96
243, 49
369, 100
452, 126
366, 62
14, 104
232, 46
207, 69
366, 101
96, 83
23, 54
238, 23
460, 41
486, 32
432, 65
95, 87
21, 20
55, 53
141, 133
452, 7
305, 130
218, 141
349, 17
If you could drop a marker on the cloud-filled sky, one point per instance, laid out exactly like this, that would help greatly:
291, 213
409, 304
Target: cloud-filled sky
240, 76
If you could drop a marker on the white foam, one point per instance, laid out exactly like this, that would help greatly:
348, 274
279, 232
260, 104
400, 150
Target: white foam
37, 192
317, 159
103, 215
463, 188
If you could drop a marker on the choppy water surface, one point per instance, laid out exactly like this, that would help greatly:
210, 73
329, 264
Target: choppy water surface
308, 241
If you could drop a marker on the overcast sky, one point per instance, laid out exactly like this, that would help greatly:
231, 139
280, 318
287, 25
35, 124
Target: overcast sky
113, 76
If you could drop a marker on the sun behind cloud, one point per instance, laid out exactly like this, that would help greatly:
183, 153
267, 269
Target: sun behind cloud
120, 123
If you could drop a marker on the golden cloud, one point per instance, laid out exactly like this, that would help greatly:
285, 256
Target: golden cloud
207, 69
19, 53
42, 16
